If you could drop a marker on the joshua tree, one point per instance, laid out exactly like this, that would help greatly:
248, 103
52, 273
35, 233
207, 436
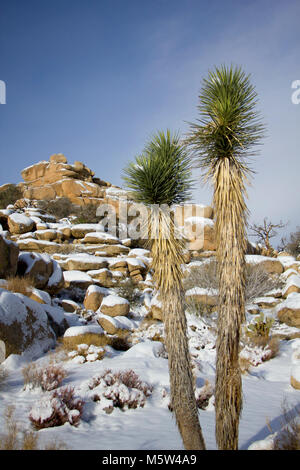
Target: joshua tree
221, 139
161, 176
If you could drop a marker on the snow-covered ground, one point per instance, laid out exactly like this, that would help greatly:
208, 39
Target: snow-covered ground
266, 388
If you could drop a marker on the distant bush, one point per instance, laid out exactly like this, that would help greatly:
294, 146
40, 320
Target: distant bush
258, 281
128, 290
86, 214
9, 195
292, 245
60, 208
63, 207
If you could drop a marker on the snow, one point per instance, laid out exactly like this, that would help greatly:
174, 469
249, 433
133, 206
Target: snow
292, 301
76, 276
116, 192
201, 291
119, 322
293, 280
113, 300
42, 295
56, 275
83, 330
21, 219
255, 259
101, 236
97, 289
151, 426
295, 372
199, 221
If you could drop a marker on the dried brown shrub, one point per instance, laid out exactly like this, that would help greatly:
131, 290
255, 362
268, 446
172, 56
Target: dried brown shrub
47, 378
289, 437
20, 285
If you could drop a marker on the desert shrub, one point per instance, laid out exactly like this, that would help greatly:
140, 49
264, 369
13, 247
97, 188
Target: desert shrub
289, 436
9, 195
255, 354
257, 343
260, 327
124, 389
292, 245
204, 394
47, 378
204, 275
3, 377
20, 285
60, 407
128, 290
14, 438
61, 207
199, 309
120, 341
86, 214
258, 281
85, 353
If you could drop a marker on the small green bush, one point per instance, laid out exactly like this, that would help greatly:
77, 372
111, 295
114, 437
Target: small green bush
261, 327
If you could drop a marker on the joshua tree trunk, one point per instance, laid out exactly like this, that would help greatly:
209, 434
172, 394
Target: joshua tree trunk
181, 379
167, 259
231, 245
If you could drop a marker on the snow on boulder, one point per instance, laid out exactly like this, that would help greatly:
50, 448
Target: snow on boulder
94, 296
56, 319
292, 285
36, 266
288, 311
80, 230
56, 280
113, 325
24, 325
83, 262
270, 265
114, 306
82, 334
40, 296
20, 223
100, 237
77, 279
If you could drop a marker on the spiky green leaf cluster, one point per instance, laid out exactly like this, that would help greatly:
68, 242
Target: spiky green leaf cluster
162, 173
229, 124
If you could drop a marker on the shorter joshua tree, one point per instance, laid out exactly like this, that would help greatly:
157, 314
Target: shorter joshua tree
161, 177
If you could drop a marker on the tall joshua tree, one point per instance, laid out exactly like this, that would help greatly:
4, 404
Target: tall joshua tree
229, 126
161, 176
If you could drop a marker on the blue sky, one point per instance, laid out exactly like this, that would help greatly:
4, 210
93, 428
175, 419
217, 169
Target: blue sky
93, 79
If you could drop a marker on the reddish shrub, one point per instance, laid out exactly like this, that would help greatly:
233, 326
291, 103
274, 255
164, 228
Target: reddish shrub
61, 407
